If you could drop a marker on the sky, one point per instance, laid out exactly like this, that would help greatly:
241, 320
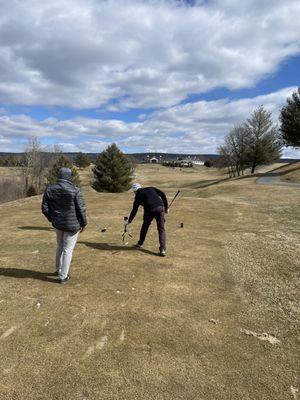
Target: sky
150, 76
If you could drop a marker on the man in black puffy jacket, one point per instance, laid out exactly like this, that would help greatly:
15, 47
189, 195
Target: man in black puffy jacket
155, 205
63, 206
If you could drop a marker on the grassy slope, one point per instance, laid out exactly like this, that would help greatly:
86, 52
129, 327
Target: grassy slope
131, 325
294, 174
293, 177
288, 172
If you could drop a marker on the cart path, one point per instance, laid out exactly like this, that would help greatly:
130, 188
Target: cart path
273, 178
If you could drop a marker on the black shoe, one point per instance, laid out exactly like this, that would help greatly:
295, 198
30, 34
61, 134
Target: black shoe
162, 253
138, 246
63, 281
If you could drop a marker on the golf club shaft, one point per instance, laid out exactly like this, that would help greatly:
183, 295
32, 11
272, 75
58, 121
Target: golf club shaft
178, 191
98, 226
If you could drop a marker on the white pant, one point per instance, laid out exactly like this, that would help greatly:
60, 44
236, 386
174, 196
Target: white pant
66, 242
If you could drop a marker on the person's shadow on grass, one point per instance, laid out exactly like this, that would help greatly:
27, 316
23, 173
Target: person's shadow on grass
20, 273
36, 228
115, 248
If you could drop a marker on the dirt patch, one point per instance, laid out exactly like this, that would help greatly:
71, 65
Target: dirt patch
266, 337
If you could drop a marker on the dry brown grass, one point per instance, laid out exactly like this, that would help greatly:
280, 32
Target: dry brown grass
294, 174
12, 185
8, 172
131, 325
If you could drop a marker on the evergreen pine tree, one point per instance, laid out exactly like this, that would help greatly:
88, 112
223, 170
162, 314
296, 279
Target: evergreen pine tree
208, 163
290, 120
63, 161
263, 139
112, 171
82, 160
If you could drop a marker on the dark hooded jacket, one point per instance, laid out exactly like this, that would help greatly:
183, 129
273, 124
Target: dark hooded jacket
63, 206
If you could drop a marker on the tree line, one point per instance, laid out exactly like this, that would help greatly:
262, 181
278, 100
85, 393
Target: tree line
13, 160
254, 142
258, 141
112, 171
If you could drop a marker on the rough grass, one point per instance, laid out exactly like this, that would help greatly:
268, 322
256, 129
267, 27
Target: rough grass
291, 172
8, 172
131, 325
11, 184
294, 175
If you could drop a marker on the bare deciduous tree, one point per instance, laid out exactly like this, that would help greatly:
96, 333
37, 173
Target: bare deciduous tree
36, 162
250, 144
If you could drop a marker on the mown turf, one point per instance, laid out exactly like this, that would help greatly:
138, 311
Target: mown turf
131, 325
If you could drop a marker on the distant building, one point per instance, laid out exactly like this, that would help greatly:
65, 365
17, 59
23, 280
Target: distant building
154, 160
198, 162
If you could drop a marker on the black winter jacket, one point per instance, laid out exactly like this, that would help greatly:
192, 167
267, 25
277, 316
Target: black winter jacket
149, 198
63, 206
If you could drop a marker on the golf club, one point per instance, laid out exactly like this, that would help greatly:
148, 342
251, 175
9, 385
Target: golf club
176, 194
125, 230
102, 229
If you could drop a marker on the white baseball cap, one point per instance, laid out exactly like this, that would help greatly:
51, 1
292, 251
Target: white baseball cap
135, 187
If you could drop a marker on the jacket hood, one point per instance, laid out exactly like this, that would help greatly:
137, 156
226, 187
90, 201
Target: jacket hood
65, 173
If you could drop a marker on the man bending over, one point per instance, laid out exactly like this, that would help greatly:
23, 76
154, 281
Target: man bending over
155, 205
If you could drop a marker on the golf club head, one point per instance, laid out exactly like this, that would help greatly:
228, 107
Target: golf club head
103, 230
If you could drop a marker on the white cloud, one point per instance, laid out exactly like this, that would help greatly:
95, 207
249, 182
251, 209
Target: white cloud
86, 53
197, 127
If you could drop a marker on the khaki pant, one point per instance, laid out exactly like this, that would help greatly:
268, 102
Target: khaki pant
66, 242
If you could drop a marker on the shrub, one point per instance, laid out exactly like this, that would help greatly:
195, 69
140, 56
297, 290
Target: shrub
208, 163
82, 160
31, 191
